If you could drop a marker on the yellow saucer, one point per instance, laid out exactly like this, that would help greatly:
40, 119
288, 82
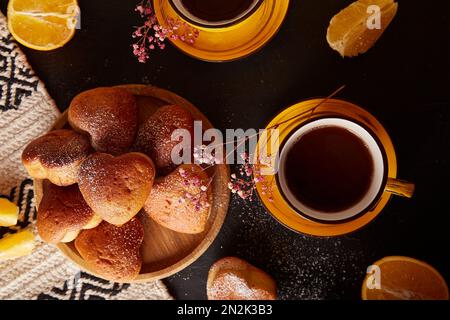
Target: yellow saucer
233, 42
302, 112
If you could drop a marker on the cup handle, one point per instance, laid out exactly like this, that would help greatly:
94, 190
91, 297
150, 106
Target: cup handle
400, 188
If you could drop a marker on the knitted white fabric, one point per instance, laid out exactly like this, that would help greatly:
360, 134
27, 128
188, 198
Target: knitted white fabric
26, 112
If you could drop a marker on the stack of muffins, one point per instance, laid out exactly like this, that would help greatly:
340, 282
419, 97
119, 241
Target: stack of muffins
105, 169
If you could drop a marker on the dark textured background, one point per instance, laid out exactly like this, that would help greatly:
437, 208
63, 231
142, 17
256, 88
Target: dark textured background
403, 80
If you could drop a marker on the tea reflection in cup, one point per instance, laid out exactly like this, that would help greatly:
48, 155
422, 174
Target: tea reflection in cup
215, 13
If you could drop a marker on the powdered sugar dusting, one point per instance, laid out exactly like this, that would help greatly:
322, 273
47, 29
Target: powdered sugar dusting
116, 188
108, 115
57, 148
154, 136
112, 251
229, 284
317, 269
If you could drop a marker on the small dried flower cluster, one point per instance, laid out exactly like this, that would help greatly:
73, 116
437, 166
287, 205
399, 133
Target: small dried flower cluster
152, 35
266, 186
194, 182
244, 183
201, 156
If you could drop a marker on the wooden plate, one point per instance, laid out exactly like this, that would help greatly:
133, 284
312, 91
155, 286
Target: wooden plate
164, 252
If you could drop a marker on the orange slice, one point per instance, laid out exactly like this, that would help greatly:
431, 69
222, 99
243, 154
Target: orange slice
353, 31
403, 278
43, 24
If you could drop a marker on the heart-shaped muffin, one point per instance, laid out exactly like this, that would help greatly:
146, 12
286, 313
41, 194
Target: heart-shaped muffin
235, 279
116, 188
113, 252
108, 115
56, 156
63, 213
154, 137
181, 201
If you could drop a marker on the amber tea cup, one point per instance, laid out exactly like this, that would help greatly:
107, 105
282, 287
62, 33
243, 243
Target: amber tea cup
291, 124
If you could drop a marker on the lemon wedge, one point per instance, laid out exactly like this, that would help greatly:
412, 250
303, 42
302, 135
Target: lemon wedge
16, 245
9, 213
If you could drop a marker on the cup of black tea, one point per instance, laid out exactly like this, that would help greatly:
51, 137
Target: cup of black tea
333, 170
215, 13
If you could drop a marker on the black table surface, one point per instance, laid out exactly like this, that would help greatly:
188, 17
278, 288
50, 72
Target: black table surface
403, 80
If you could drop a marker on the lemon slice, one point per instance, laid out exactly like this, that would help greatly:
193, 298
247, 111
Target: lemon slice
43, 24
9, 213
349, 32
16, 245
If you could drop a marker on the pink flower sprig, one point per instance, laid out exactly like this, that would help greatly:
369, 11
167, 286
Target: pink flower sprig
248, 176
194, 182
244, 182
152, 35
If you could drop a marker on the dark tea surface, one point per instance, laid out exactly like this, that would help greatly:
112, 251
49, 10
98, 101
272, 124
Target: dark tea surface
329, 169
217, 10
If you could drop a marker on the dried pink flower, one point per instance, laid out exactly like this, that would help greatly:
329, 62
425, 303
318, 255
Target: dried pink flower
243, 183
151, 35
194, 181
